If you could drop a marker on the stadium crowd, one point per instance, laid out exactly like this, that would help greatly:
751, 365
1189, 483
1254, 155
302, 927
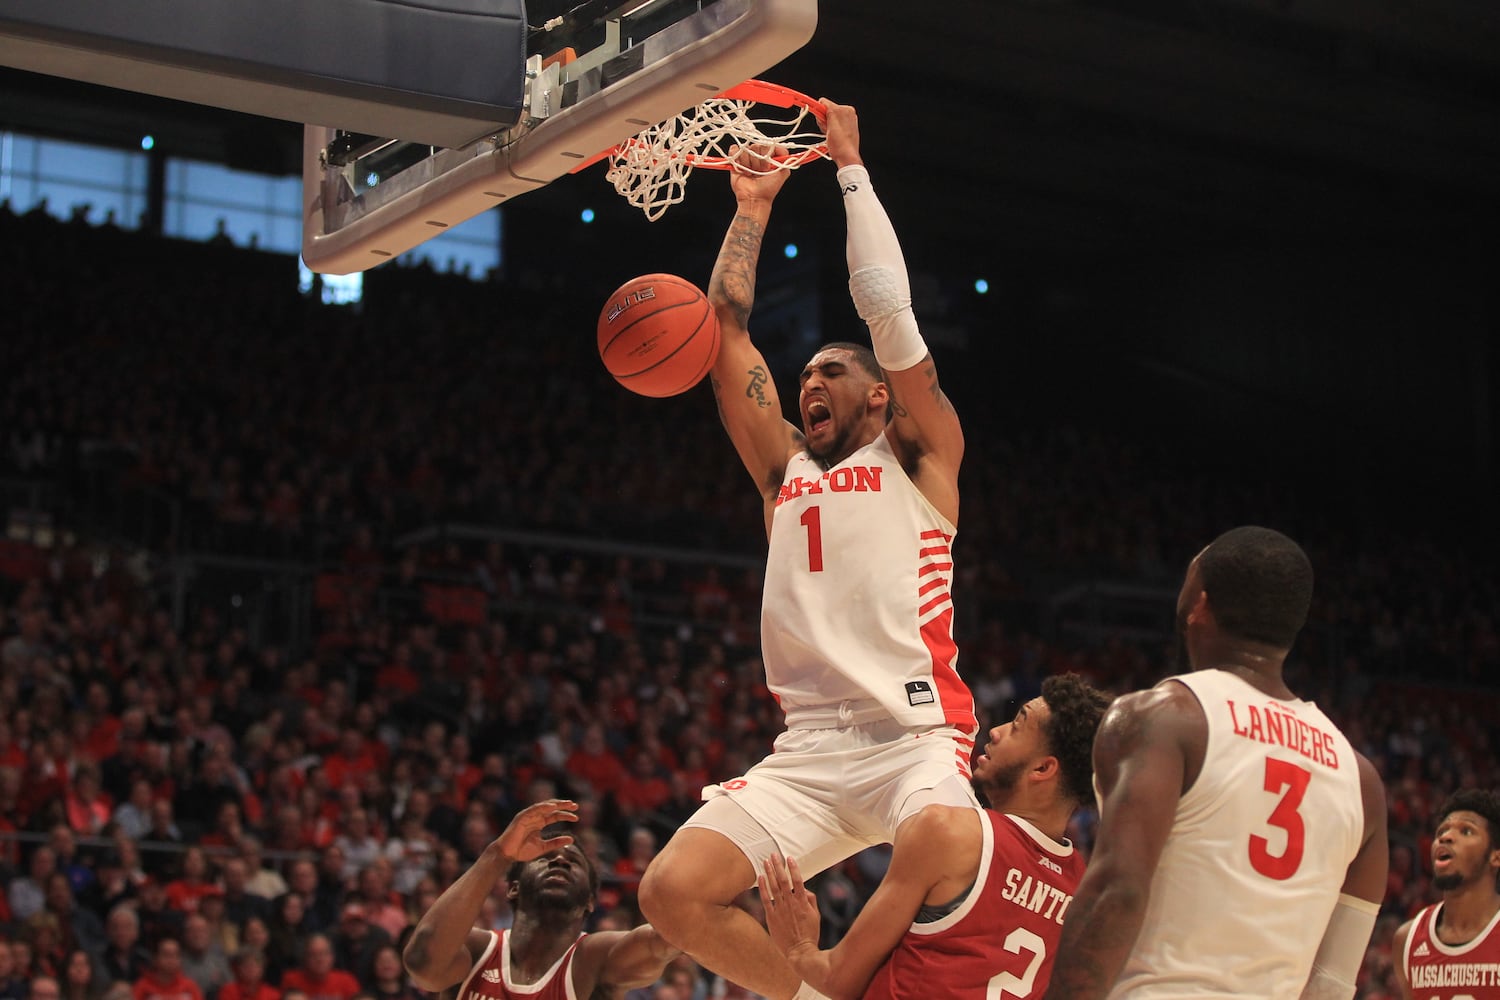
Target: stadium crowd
192, 809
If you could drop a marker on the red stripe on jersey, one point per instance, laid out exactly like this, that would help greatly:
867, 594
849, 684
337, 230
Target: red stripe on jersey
934, 582
939, 599
934, 568
935, 533
936, 550
953, 694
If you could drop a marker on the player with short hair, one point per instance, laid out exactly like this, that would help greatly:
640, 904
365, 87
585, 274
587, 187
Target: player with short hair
1452, 948
545, 954
1242, 843
856, 624
972, 897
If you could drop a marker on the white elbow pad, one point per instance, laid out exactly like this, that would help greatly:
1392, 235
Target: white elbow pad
1342, 951
878, 282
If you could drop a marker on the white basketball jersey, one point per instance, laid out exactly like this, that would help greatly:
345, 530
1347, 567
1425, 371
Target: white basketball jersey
857, 605
1259, 850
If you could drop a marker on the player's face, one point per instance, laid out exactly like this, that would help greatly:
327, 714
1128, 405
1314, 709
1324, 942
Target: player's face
559, 877
834, 399
1463, 851
1012, 749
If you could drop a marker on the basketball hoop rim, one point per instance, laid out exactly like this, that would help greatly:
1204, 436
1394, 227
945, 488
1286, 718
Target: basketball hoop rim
759, 92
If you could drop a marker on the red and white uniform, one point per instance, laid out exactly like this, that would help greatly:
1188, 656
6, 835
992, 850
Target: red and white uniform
1259, 850
490, 978
1001, 940
857, 611
1438, 971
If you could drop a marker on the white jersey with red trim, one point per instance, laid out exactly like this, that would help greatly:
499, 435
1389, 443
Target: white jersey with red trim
1438, 971
1258, 853
858, 609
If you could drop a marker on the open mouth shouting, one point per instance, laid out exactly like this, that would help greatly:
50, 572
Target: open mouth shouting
817, 416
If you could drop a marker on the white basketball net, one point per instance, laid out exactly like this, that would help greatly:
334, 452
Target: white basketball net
651, 170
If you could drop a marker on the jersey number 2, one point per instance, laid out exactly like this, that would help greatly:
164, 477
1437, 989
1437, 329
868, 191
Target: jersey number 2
1008, 983
1290, 782
812, 520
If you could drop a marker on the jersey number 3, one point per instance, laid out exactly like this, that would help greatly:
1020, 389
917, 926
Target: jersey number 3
1290, 782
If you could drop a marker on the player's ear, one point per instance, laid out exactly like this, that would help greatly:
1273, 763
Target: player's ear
1046, 769
1199, 612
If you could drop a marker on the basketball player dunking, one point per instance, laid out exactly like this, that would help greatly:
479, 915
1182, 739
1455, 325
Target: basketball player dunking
1242, 841
861, 505
1452, 949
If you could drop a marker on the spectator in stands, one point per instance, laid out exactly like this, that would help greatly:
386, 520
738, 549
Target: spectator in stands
382, 906
411, 853
70, 861
12, 987
388, 980
164, 980
86, 805
78, 925
303, 882
44, 987
356, 844
194, 882
288, 928
49, 944
261, 881
317, 976
123, 958
355, 942
158, 920
249, 981
203, 959
256, 937
80, 979
27, 894
239, 903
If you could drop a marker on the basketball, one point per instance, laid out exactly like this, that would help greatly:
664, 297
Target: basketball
658, 335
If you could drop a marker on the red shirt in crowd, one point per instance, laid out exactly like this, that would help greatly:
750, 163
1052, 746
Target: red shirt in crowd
337, 985
148, 987
234, 990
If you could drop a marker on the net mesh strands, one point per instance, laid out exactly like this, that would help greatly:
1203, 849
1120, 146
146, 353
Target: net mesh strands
651, 170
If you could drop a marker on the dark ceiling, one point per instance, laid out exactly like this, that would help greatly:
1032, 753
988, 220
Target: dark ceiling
1089, 126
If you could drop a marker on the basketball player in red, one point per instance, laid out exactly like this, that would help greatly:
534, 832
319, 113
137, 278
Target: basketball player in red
1452, 949
861, 504
544, 955
1242, 841
974, 899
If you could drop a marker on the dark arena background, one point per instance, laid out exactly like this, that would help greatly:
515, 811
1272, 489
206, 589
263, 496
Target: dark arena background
346, 572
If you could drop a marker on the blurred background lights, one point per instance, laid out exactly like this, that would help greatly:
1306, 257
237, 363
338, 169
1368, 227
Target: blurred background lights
587, 215
981, 286
790, 250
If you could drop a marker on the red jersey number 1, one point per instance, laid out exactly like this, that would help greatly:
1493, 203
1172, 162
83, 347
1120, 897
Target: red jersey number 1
1282, 774
812, 520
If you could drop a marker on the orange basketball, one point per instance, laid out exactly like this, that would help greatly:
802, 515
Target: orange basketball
658, 335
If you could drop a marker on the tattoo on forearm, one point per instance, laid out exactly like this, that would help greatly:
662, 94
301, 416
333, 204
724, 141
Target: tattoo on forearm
734, 272
756, 388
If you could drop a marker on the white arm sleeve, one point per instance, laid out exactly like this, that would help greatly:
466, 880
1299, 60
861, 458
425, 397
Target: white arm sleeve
877, 275
1342, 950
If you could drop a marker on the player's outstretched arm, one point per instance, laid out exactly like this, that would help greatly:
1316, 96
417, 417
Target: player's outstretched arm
1347, 936
1140, 764
627, 959
746, 396
927, 847
925, 427
444, 945
1398, 958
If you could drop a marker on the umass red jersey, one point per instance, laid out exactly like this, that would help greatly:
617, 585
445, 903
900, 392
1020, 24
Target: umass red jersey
490, 977
1002, 937
1438, 971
